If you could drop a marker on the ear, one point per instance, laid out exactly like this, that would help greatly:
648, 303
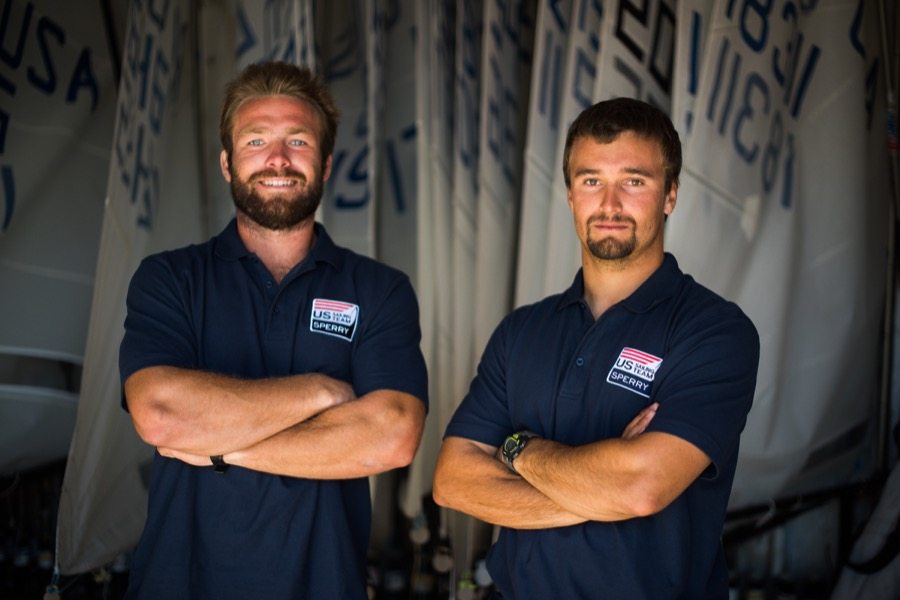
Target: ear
326, 171
569, 198
223, 164
671, 199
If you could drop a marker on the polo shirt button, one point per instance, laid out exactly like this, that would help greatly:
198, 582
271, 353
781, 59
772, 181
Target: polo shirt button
268, 284
579, 361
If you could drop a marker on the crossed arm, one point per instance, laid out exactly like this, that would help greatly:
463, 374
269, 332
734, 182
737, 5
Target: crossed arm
557, 485
307, 425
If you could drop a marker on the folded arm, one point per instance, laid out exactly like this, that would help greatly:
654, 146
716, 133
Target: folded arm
613, 479
204, 413
470, 478
375, 433
378, 432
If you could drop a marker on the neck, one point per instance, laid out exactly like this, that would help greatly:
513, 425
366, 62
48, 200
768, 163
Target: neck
280, 250
608, 282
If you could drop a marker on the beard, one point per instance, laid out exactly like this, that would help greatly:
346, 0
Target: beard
610, 248
281, 211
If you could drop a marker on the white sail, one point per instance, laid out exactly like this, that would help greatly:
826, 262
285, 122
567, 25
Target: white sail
691, 26
467, 124
57, 101
469, 32
434, 78
636, 47
781, 209
545, 121
506, 64
151, 203
579, 83
348, 207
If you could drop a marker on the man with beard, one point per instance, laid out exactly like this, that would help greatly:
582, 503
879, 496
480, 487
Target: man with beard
272, 370
634, 345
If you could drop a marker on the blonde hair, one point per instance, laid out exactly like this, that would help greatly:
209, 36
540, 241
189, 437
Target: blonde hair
279, 79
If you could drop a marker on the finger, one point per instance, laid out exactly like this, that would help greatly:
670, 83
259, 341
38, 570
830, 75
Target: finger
639, 424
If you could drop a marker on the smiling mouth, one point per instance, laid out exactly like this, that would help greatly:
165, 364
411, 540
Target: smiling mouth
274, 180
276, 183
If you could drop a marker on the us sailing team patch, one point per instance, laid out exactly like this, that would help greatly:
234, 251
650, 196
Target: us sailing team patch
333, 317
634, 370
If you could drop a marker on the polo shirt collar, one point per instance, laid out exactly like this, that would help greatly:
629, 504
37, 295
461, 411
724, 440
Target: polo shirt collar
230, 247
662, 284
574, 294
324, 249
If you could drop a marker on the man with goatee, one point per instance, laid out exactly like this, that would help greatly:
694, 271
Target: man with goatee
601, 431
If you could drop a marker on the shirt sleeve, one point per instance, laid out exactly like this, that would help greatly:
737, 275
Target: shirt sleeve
483, 415
158, 329
707, 382
388, 355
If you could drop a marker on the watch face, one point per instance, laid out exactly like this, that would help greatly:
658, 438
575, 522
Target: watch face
510, 445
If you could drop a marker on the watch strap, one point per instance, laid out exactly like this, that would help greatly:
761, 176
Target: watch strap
219, 465
513, 446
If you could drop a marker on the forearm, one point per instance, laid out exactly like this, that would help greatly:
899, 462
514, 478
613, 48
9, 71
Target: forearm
206, 413
378, 432
612, 479
469, 479
569, 477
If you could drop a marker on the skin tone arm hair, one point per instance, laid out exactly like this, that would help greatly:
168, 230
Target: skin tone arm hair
205, 413
613, 479
379, 431
470, 478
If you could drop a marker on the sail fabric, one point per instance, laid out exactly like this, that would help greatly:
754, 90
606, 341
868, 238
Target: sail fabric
152, 202
57, 101
781, 209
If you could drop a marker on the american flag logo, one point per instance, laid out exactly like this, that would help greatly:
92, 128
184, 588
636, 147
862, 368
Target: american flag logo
635, 371
333, 317
335, 305
642, 358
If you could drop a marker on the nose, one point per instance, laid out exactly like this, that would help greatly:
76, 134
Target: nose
609, 199
278, 157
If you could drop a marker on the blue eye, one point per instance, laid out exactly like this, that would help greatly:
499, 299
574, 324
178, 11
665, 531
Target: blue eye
256, 142
297, 142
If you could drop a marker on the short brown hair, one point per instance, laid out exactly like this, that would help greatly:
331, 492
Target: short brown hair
604, 121
279, 79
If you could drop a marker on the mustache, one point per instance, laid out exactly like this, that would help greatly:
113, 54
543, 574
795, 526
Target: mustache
273, 173
616, 218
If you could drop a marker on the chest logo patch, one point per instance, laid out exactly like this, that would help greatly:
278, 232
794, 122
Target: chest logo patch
333, 317
634, 370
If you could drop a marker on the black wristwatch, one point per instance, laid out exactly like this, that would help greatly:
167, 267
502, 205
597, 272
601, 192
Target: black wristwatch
219, 465
513, 446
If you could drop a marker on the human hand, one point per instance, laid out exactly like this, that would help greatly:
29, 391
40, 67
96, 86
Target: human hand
334, 390
638, 425
196, 460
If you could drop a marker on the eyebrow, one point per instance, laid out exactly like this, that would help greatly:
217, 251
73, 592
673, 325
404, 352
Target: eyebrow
257, 129
585, 171
638, 171
630, 170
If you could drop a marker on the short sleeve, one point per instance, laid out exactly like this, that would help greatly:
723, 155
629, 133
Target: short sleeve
707, 382
388, 355
484, 415
158, 329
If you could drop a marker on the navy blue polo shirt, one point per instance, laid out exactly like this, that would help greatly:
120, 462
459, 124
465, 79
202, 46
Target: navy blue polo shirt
552, 369
215, 307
